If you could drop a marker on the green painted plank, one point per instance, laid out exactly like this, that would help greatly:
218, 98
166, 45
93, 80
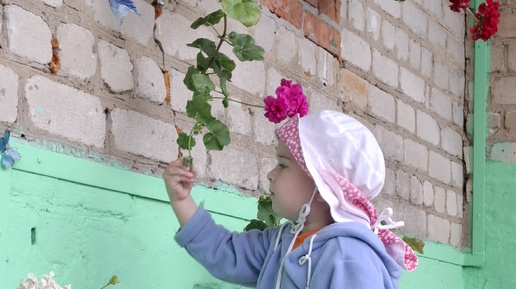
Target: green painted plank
221, 199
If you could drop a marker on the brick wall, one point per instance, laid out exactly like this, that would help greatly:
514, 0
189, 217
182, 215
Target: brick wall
502, 99
398, 67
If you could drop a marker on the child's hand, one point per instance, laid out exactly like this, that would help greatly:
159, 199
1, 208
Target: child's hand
179, 180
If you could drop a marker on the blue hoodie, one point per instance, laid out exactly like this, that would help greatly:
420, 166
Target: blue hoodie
341, 255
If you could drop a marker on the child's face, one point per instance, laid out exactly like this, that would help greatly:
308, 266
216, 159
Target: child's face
290, 187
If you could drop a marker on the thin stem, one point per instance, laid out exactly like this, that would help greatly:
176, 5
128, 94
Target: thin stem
237, 101
468, 10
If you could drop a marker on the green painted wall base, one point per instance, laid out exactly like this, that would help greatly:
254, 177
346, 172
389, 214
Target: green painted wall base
86, 221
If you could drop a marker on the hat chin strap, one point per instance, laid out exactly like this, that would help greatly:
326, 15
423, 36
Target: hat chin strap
296, 228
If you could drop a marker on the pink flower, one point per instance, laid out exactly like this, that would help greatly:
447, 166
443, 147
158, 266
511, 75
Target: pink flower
275, 109
487, 20
290, 101
457, 5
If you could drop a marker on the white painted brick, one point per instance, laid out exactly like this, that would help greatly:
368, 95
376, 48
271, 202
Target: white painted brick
344, 12
452, 141
199, 155
439, 199
457, 82
318, 102
8, 95
179, 94
439, 167
402, 44
389, 187
307, 56
415, 220
434, 7
266, 165
438, 229
457, 176
455, 23
289, 45
76, 51
415, 154
427, 127
460, 204
415, 54
239, 119
388, 35
140, 134
28, 36
355, 50
416, 191
426, 62
263, 131
390, 142
356, 14
262, 32
385, 69
139, 28
116, 68
456, 235
373, 23
150, 83
458, 114
65, 111
406, 116
415, 18
451, 203
205, 7
327, 68
235, 165
381, 104
468, 157
437, 34
53, 3
403, 184
412, 85
391, 7
455, 49
440, 103
174, 40
273, 81
250, 76
428, 194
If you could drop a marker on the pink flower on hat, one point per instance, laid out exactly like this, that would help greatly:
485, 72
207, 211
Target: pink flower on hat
289, 102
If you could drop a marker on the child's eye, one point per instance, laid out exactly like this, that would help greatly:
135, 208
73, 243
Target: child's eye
282, 166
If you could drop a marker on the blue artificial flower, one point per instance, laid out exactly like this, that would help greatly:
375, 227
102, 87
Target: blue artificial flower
121, 7
9, 155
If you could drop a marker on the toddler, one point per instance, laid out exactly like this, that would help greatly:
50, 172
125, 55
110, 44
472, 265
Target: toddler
329, 167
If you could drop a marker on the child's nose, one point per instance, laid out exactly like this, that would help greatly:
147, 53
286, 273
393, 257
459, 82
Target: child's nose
270, 175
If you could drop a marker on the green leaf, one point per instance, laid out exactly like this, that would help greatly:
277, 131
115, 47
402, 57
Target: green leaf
202, 84
202, 62
217, 137
210, 19
224, 88
188, 78
205, 45
245, 48
182, 141
247, 12
415, 243
266, 213
255, 224
199, 109
223, 66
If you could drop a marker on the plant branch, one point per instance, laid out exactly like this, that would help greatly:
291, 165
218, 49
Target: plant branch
237, 101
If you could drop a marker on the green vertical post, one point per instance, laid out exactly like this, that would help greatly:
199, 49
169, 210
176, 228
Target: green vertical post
5, 192
482, 63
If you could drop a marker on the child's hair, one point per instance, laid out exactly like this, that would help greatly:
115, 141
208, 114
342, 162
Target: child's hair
346, 163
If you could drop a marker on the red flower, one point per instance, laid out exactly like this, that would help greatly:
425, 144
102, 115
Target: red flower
290, 101
486, 20
457, 5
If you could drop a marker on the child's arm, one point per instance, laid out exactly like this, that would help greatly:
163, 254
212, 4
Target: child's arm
179, 181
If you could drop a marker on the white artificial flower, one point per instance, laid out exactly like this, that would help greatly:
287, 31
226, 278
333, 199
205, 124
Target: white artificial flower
47, 282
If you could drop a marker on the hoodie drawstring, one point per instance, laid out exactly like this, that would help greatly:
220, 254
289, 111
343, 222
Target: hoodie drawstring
308, 258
